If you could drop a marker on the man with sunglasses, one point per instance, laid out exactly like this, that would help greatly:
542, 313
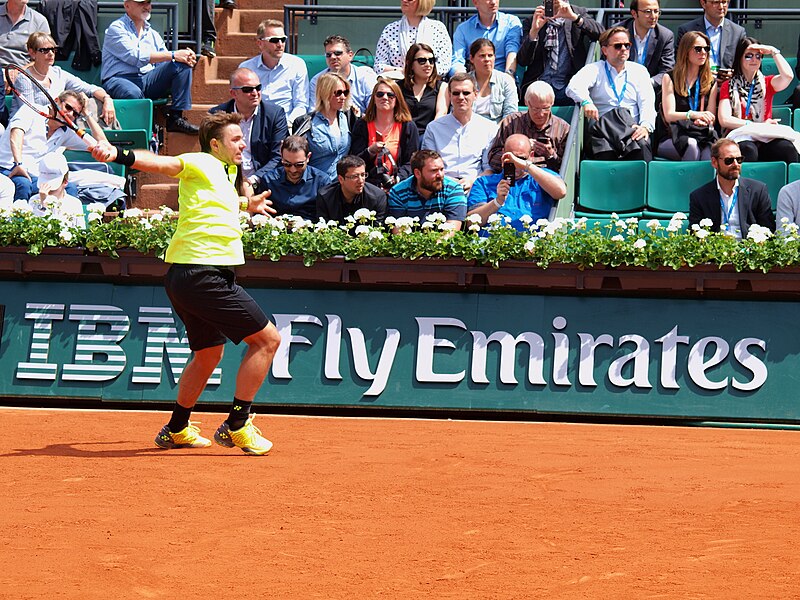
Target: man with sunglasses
294, 185
731, 202
137, 64
653, 44
339, 56
17, 22
724, 34
263, 124
284, 76
618, 99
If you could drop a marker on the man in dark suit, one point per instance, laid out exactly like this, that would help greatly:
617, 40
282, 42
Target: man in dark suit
264, 124
732, 203
724, 33
653, 44
554, 48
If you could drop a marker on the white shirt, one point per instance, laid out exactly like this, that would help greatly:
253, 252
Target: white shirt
734, 227
68, 210
592, 83
35, 143
247, 131
286, 85
463, 148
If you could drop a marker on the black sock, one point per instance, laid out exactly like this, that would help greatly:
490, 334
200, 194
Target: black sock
180, 418
240, 411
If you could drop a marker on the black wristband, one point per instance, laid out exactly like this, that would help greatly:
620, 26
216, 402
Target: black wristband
125, 157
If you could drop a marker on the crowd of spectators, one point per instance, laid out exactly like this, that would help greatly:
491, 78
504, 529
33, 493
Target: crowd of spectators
436, 125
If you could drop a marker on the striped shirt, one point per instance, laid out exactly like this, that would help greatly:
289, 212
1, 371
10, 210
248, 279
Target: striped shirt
405, 201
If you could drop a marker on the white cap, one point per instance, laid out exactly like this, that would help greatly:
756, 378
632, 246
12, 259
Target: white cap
52, 168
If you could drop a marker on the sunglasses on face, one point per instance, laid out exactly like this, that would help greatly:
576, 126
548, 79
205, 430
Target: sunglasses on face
701, 49
72, 109
752, 55
278, 39
458, 93
334, 53
621, 46
730, 160
423, 60
290, 165
390, 95
46, 50
248, 89
340, 93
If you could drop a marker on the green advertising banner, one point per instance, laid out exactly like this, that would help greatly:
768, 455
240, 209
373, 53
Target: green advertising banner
554, 354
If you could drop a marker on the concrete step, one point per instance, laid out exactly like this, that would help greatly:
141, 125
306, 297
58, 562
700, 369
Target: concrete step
247, 21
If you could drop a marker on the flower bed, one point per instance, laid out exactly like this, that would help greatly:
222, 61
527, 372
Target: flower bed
544, 243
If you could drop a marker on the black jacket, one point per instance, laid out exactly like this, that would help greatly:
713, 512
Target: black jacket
332, 207
73, 24
409, 143
269, 130
753, 205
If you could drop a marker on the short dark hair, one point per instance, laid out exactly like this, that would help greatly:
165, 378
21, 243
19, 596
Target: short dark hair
349, 162
476, 46
459, 77
337, 39
635, 5
212, 126
293, 143
612, 31
420, 157
716, 147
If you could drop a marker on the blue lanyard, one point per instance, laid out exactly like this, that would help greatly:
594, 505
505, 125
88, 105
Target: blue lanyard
694, 103
646, 43
727, 216
749, 99
621, 95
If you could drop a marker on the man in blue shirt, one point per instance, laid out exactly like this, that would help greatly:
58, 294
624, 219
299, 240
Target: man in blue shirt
284, 76
428, 191
339, 56
294, 185
502, 29
137, 64
533, 191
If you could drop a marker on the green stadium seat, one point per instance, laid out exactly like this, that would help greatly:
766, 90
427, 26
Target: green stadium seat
565, 112
79, 156
612, 186
784, 113
135, 114
129, 138
796, 119
794, 172
670, 183
771, 173
314, 63
768, 67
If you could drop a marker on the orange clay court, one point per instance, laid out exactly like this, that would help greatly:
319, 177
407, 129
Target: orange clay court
387, 508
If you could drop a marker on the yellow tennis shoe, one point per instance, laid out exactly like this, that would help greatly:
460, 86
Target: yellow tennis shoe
248, 438
188, 437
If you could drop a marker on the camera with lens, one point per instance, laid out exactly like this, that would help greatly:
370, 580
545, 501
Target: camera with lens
384, 174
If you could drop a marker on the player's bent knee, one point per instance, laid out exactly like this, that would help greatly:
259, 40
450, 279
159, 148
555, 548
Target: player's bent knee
268, 338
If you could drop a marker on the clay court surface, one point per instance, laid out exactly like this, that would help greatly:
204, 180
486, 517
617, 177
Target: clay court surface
366, 508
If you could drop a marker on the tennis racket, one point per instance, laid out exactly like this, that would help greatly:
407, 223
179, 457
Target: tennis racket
34, 95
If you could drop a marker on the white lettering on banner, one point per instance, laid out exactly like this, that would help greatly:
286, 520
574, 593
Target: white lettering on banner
99, 354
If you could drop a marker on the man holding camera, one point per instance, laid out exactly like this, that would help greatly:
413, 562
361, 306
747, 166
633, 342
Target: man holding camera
521, 189
547, 131
350, 192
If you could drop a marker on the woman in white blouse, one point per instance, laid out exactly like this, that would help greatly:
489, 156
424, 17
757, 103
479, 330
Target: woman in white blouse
414, 27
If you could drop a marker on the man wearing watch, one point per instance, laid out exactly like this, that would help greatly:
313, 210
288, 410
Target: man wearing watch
618, 99
532, 191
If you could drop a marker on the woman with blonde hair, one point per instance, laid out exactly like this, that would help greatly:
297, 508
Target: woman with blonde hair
42, 50
423, 90
328, 126
386, 136
413, 28
689, 101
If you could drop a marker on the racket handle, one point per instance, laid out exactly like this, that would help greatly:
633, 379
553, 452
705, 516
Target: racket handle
89, 140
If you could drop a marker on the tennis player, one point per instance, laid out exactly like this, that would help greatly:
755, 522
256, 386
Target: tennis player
201, 283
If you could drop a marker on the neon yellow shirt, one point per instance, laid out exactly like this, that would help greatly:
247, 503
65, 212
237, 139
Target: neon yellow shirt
208, 230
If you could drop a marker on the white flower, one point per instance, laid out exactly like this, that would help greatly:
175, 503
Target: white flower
695, 227
166, 211
580, 224
475, 227
259, 221
375, 235
614, 216
446, 226
493, 218
296, 223
436, 218
93, 216
96, 207
639, 244
707, 223
404, 224
427, 225
526, 220
156, 217
653, 224
65, 235
21, 207
617, 238
133, 213
147, 225
474, 218
632, 222
701, 233
320, 225
542, 222
678, 216
278, 224
350, 219
674, 226
530, 245
758, 234
363, 215
275, 233
390, 220
362, 230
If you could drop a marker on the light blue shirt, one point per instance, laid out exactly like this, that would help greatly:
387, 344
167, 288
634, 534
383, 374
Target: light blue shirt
125, 53
325, 146
505, 33
286, 85
463, 148
715, 37
526, 197
362, 81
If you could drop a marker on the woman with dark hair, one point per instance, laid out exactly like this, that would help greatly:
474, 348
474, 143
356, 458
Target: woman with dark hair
386, 137
422, 87
496, 92
747, 98
689, 101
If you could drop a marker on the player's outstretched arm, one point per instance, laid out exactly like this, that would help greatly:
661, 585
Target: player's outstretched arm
143, 160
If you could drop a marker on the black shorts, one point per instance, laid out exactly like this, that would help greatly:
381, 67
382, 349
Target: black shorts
212, 305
